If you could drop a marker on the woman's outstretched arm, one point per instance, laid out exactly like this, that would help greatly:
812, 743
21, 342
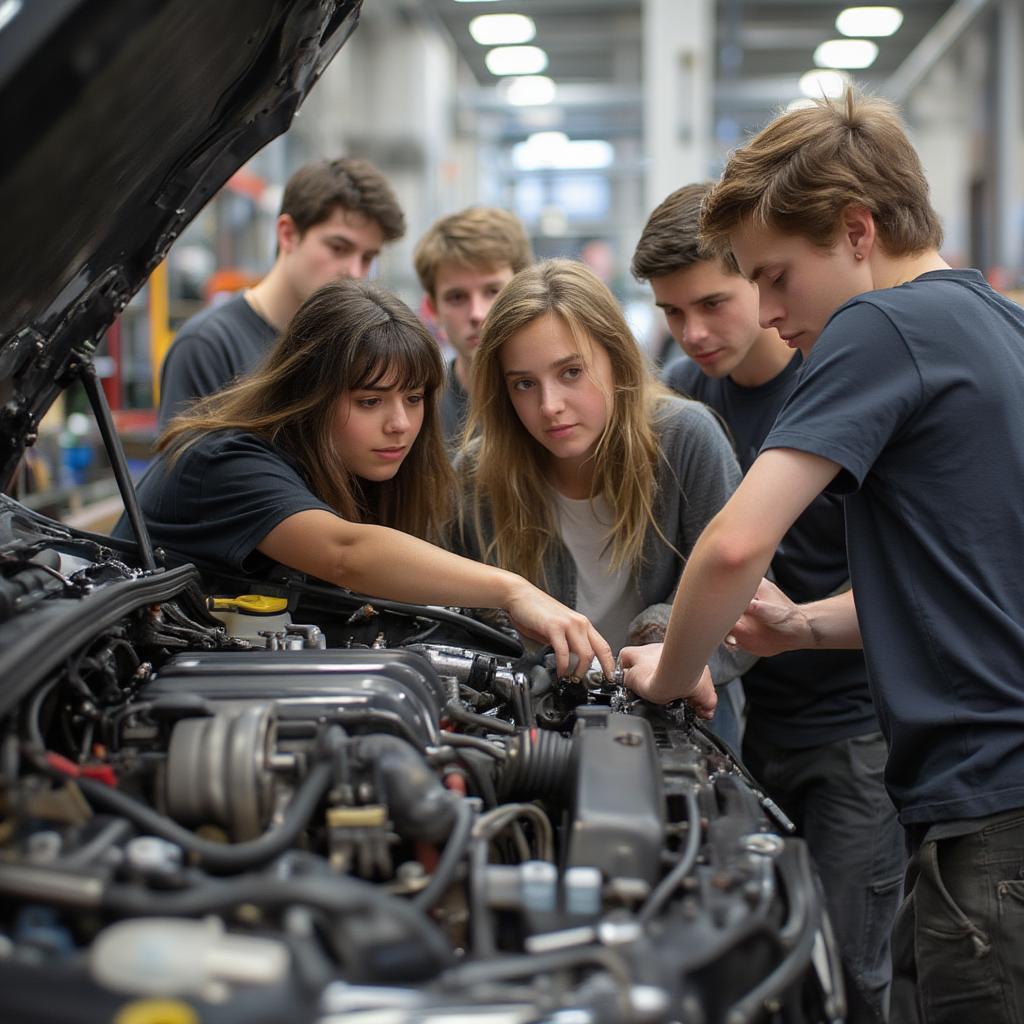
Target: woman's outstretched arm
391, 564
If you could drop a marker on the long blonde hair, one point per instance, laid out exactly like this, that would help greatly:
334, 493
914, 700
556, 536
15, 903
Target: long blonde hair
345, 336
508, 468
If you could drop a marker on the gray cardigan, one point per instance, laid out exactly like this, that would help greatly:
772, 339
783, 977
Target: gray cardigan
696, 474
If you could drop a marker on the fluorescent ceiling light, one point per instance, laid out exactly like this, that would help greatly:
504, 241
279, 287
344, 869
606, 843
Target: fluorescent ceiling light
8, 12
529, 90
547, 140
846, 53
869, 21
823, 83
516, 60
501, 29
555, 151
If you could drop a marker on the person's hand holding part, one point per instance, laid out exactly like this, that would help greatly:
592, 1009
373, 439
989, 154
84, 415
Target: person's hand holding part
540, 617
641, 664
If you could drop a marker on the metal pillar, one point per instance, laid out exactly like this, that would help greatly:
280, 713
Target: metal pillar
678, 65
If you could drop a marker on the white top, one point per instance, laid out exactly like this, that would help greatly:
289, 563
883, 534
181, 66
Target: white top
609, 599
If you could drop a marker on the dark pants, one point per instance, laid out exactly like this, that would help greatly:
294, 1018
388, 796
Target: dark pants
958, 944
836, 797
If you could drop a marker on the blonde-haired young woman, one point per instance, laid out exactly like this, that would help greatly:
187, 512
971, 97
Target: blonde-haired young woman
586, 476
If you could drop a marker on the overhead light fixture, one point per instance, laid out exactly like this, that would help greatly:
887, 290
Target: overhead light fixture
516, 60
8, 12
830, 84
555, 151
869, 21
529, 90
846, 53
502, 29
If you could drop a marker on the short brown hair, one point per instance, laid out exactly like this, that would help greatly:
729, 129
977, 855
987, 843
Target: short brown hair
671, 239
480, 236
799, 173
316, 190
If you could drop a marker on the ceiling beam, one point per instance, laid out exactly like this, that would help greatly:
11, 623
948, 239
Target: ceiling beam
932, 48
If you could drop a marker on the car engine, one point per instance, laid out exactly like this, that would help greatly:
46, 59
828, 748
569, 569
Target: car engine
360, 811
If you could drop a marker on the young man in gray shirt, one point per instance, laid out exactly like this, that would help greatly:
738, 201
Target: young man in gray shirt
463, 261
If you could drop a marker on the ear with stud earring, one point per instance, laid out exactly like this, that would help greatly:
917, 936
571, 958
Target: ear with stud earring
858, 255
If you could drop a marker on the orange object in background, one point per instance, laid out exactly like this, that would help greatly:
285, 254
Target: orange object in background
228, 280
160, 335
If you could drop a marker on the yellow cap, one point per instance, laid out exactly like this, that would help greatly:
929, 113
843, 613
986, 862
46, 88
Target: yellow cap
156, 1011
252, 604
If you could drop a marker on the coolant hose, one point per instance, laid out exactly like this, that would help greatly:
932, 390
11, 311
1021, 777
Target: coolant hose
537, 766
223, 858
417, 801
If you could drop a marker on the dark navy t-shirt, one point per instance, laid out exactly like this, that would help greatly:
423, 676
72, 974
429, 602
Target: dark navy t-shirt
220, 499
211, 350
798, 699
916, 392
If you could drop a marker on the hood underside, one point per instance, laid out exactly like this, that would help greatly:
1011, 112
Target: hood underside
120, 120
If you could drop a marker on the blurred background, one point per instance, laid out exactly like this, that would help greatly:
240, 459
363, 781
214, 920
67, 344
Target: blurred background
579, 116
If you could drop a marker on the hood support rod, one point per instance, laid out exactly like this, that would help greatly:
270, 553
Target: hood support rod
112, 444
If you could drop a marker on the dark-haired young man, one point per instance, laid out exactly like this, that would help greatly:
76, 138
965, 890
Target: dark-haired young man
812, 736
335, 217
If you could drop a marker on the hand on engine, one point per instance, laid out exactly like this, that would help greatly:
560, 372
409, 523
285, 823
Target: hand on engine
540, 617
641, 676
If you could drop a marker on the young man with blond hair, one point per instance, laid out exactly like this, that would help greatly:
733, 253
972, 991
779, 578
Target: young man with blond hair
909, 406
335, 217
463, 261
812, 737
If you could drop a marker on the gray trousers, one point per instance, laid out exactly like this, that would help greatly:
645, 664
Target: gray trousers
958, 944
837, 799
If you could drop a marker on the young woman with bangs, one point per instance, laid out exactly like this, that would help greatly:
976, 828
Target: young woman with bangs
329, 459
580, 471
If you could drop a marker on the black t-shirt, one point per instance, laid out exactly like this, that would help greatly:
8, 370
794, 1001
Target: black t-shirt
916, 393
798, 699
220, 499
211, 350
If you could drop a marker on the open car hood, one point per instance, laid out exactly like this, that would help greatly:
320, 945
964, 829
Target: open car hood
120, 120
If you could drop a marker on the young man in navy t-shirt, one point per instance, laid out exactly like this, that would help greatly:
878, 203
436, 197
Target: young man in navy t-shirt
908, 405
335, 217
812, 737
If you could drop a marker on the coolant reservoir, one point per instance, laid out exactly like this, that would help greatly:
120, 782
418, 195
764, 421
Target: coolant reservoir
250, 615
174, 957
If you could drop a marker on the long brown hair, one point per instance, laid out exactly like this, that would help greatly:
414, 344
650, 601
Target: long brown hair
347, 335
508, 468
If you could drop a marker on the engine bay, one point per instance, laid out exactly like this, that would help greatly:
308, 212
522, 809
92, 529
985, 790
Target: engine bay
356, 810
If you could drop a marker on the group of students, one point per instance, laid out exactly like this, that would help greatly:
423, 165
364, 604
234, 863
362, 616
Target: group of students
546, 472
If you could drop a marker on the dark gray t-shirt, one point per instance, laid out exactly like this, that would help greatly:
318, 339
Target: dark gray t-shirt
915, 392
454, 408
220, 499
798, 699
212, 349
